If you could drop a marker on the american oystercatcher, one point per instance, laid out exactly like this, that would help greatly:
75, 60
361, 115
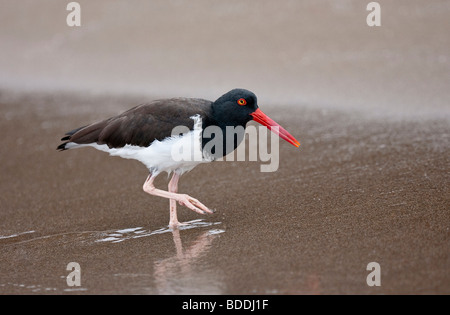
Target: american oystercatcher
145, 133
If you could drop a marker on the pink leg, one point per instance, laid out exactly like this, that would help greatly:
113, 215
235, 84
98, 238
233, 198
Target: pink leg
172, 194
173, 188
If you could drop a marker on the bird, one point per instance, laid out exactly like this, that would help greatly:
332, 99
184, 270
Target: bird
146, 133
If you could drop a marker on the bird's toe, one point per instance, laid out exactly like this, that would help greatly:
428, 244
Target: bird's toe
194, 204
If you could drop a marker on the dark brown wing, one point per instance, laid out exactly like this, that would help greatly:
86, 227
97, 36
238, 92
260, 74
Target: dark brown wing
142, 124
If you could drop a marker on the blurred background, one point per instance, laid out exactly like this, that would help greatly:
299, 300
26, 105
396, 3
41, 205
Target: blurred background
313, 53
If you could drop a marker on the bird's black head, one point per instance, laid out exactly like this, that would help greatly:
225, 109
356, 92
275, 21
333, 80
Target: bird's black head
235, 107
239, 106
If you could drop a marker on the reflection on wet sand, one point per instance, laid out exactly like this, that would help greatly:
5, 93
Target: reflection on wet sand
188, 271
183, 273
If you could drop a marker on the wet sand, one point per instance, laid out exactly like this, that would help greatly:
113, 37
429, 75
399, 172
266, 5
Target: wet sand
358, 190
369, 183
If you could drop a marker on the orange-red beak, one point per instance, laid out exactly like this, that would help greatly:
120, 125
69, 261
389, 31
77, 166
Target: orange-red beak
265, 120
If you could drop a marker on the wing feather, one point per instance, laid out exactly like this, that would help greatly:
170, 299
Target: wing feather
143, 124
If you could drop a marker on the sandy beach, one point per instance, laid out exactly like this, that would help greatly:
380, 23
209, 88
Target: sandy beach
369, 183
359, 190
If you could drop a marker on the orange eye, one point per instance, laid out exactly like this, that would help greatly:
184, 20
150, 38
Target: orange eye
242, 101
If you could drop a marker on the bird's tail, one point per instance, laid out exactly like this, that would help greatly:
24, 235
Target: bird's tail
88, 134
67, 138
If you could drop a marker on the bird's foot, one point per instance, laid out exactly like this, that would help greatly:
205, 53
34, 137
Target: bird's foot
193, 204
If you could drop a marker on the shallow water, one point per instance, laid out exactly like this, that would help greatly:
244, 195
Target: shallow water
358, 190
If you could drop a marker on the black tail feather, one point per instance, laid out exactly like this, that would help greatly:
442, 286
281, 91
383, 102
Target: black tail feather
67, 137
62, 146
70, 133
